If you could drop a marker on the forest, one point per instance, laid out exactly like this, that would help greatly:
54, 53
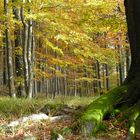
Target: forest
69, 69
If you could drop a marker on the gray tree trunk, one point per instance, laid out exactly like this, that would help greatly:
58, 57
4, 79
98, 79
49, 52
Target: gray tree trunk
18, 56
25, 45
12, 91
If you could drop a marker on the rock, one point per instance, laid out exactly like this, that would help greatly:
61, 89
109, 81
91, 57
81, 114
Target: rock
89, 127
30, 138
31, 118
34, 118
60, 137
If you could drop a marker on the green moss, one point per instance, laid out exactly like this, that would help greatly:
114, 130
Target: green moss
132, 129
135, 113
99, 108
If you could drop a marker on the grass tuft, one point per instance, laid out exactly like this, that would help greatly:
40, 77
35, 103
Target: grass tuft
15, 108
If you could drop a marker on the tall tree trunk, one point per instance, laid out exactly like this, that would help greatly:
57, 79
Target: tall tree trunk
29, 56
29, 60
127, 60
28, 52
18, 54
121, 65
5, 72
107, 77
98, 76
12, 91
25, 43
75, 84
65, 82
133, 22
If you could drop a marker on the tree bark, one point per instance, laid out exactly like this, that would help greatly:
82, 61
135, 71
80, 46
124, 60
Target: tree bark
133, 23
29, 59
28, 52
12, 92
107, 77
25, 43
18, 54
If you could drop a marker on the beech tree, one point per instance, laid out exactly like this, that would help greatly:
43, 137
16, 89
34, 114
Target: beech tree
9, 52
133, 22
18, 52
128, 94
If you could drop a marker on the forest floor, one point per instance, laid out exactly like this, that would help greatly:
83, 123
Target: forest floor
46, 130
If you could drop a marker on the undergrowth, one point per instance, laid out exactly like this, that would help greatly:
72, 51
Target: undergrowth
15, 108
